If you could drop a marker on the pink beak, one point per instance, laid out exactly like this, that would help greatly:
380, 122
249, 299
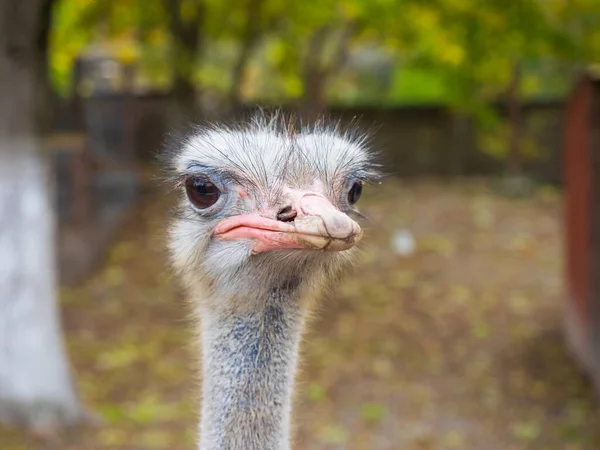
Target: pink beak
318, 225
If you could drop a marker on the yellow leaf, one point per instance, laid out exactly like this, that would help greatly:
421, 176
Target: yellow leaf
373, 412
453, 439
156, 439
333, 434
526, 431
157, 37
114, 276
453, 54
127, 54
316, 392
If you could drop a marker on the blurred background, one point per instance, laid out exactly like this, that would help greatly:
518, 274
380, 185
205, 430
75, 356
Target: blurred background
471, 321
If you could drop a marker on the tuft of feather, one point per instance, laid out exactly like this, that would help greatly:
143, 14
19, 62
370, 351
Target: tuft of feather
267, 141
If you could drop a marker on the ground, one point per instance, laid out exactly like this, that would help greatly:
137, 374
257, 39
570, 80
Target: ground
456, 346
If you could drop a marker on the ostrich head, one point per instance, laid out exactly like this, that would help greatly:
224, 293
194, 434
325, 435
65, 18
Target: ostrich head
265, 205
267, 218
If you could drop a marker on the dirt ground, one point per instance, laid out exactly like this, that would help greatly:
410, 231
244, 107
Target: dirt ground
457, 346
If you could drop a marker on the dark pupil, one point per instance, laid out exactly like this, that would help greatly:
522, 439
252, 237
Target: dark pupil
355, 192
201, 193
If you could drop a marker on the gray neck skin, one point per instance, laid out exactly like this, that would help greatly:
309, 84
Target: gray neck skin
249, 361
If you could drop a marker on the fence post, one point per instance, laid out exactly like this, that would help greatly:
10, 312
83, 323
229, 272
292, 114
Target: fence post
581, 173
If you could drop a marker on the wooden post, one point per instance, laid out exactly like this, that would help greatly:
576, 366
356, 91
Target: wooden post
582, 224
73, 143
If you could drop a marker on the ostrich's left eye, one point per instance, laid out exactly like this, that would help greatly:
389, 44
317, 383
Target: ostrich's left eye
354, 192
201, 193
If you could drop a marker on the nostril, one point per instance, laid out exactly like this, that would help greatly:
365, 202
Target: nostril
287, 214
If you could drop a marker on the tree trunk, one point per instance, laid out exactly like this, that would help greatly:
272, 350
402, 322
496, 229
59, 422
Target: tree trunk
183, 102
313, 101
186, 45
317, 71
36, 389
249, 40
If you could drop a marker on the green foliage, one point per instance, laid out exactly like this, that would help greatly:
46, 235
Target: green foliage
473, 45
417, 85
69, 36
459, 52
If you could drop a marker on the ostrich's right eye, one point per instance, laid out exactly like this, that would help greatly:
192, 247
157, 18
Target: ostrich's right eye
201, 193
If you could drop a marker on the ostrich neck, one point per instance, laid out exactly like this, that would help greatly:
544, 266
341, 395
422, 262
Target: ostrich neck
249, 361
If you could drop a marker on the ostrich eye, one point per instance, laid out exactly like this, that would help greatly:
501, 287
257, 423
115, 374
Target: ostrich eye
354, 192
201, 193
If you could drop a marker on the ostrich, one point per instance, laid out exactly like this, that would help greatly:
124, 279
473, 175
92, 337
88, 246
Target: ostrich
267, 220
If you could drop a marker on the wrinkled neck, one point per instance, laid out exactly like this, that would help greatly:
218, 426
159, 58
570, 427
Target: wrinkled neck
249, 361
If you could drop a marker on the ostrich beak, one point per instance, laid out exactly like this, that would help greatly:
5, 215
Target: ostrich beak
318, 225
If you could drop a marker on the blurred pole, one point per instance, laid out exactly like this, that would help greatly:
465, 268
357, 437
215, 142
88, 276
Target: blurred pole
130, 116
514, 165
461, 132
